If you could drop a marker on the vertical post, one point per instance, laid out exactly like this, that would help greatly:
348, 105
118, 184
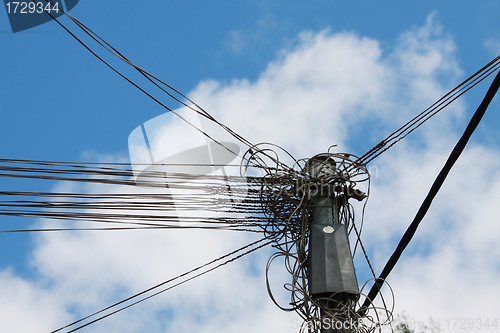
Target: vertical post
331, 274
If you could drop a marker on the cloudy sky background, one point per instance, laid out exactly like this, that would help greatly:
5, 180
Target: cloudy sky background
304, 76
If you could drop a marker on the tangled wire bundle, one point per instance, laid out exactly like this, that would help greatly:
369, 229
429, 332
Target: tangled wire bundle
269, 197
287, 195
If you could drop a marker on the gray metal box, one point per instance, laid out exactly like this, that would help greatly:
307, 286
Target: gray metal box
331, 268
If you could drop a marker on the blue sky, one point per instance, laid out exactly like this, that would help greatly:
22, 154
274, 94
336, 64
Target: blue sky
184, 43
243, 61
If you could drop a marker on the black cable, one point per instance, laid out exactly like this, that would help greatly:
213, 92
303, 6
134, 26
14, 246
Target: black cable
101, 229
455, 154
153, 79
431, 111
230, 259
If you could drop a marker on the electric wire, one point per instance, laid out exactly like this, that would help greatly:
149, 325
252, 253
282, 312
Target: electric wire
287, 198
108, 229
431, 111
269, 198
228, 258
156, 81
208, 194
438, 182
149, 76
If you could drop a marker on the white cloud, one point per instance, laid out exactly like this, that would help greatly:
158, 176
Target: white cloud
27, 306
458, 254
314, 95
263, 33
493, 45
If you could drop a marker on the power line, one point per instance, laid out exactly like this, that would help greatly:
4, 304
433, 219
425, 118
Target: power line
431, 111
438, 182
154, 80
146, 294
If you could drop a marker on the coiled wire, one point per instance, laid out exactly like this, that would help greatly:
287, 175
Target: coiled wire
286, 197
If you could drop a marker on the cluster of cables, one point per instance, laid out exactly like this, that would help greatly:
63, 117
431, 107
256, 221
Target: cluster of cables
287, 197
417, 121
116, 202
268, 197
189, 202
